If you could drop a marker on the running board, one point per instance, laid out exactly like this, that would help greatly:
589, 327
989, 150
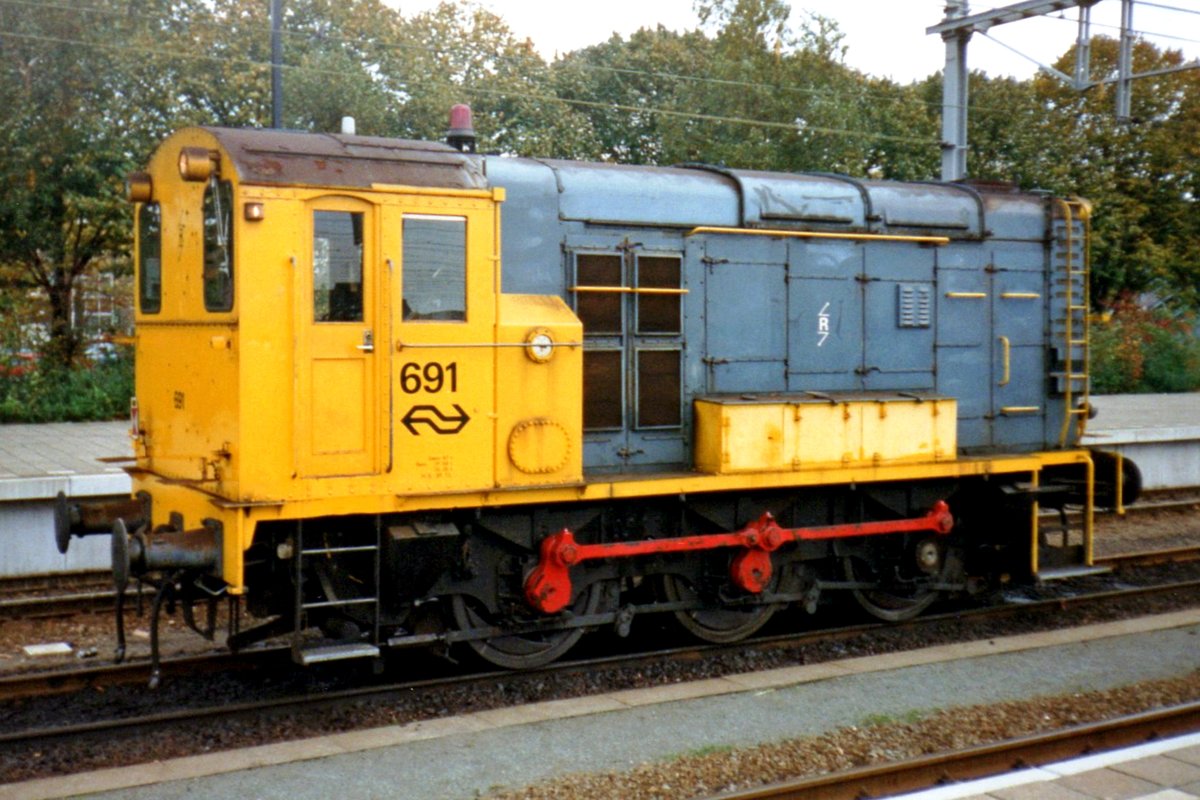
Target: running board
336, 652
1060, 573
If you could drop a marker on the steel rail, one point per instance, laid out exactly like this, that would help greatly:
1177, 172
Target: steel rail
32, 685
1146, 558
64, 681
22, 685
924, 772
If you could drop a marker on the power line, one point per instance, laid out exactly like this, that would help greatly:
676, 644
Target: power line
1141, 33
1167, 7
866, 93
789, 126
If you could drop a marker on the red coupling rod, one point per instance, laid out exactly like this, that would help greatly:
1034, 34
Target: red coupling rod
548, 586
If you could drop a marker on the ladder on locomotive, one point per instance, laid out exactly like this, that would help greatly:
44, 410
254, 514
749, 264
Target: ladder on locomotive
1069, 318
304, 653
1071, 554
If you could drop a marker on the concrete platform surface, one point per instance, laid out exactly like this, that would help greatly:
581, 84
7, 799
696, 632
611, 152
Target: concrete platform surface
474, 754
1159, 432
1125, 418
38, 461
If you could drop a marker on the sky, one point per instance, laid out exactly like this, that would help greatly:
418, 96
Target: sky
886, 38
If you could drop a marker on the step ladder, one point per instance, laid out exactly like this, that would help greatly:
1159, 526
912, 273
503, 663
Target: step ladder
305, 652
1064, 547
1070, 259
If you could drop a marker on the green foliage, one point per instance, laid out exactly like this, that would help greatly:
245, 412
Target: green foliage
1139, 351
77, 394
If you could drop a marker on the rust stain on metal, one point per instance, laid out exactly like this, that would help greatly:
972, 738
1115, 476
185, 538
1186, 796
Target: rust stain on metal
299, 159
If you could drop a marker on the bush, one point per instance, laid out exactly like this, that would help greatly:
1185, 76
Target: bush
88, 392
1141, 351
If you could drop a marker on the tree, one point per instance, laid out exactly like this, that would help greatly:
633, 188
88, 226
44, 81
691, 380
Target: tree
66, 148
1142, 174
634, 92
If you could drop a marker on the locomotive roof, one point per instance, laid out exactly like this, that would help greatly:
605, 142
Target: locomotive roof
702, 195
680, 196
292, 158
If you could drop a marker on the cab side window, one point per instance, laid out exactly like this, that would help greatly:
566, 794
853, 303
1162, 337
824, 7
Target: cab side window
150, 258
218, 246
435, 268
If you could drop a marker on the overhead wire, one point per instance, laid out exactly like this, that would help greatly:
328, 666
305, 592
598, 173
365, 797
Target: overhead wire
859, 96
1166, 7
589, 67
866, 94
789, 126
1138, 31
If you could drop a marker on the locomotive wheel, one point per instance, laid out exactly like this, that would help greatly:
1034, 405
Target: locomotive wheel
522, 650
717, 625
890, 602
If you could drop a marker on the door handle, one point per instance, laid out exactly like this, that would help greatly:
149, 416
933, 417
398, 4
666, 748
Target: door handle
368, 342
1006, 349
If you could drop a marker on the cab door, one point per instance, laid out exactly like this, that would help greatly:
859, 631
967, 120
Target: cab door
337, 392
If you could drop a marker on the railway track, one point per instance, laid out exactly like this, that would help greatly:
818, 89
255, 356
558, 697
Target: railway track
1146, 558
58, 596
982, 760
100, 678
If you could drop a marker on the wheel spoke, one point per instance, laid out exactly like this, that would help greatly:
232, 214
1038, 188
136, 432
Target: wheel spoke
521, 650
718, 625
893, 603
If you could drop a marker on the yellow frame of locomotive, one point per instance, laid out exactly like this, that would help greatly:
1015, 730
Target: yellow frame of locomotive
241, 377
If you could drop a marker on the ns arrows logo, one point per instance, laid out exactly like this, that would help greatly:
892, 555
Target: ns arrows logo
438, 422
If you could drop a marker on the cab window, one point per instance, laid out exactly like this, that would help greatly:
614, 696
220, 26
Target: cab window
218, 246
150, 258
435, 268
337, 266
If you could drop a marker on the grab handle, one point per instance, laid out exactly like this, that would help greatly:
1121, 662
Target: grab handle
1006, 348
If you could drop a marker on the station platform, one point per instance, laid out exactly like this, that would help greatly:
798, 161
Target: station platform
1160, 432
483, 753
36, 463
39, 461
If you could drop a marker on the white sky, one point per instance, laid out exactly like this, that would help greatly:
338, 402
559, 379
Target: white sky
885, 37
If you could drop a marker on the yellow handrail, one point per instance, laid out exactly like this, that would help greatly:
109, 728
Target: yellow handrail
855, 237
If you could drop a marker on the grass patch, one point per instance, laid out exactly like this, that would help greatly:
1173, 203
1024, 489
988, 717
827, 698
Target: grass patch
907, 718
708, 750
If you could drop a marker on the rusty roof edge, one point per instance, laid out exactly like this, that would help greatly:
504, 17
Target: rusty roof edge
297, 158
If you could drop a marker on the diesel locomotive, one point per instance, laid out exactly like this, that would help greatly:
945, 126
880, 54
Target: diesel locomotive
396, 393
